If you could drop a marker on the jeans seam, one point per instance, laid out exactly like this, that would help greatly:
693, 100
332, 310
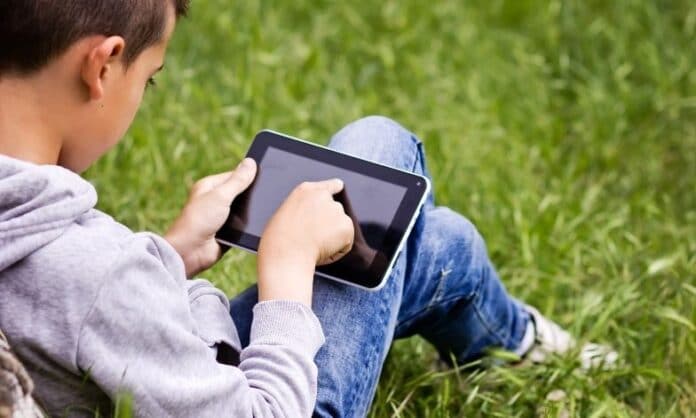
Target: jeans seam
418, 156
430, 307
483, 320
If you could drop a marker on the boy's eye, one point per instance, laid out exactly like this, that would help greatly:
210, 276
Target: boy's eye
151, 82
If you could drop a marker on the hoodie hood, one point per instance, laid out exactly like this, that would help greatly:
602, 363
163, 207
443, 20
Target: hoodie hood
37, 204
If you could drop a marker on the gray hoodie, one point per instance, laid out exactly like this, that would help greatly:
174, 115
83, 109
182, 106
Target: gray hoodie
95, 310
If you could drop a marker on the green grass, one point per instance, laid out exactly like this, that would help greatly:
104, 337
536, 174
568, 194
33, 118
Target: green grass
566, 130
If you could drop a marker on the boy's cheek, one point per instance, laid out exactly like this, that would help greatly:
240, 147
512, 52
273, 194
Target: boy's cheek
116, 120
126, 115
103, 127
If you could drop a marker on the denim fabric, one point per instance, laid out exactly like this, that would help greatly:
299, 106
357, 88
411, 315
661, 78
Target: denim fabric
443, 288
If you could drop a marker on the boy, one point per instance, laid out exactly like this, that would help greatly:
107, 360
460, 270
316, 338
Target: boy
95, 310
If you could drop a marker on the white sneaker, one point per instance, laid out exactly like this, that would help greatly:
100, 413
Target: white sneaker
550, 338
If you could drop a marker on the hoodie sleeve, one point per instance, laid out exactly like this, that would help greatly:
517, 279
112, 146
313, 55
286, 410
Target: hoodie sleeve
140, 338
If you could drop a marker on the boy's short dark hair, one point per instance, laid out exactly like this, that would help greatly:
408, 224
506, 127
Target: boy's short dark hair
33, 32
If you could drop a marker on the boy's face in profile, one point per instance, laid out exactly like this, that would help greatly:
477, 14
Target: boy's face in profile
103, 125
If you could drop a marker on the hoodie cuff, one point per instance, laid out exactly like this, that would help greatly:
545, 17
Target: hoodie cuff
289, 323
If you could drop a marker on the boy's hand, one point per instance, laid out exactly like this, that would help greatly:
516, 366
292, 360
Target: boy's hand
310, 228
193, 233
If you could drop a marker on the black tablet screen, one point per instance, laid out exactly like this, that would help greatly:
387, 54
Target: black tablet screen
369, 201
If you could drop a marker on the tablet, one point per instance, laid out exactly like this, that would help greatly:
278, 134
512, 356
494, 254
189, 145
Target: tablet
382, 201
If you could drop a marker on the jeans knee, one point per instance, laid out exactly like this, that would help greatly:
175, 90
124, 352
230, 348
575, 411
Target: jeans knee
471, 238
379, 139
377, 121
457, 227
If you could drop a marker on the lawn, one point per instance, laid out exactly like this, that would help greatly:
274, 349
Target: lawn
565, 130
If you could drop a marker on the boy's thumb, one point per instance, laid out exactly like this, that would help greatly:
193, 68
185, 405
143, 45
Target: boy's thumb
239, 179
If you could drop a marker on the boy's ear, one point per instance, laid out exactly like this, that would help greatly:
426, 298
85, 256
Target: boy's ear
100, 61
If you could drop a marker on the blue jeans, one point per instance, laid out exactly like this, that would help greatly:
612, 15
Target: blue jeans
443, 288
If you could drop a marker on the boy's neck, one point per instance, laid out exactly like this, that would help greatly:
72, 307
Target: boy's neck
26, 123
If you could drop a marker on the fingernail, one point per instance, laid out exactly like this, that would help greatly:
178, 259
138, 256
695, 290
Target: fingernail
246, 164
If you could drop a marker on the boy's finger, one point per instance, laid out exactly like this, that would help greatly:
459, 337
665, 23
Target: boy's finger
332, 186
214, 181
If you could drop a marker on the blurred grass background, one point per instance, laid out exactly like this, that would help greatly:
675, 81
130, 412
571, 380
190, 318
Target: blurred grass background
566, 130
